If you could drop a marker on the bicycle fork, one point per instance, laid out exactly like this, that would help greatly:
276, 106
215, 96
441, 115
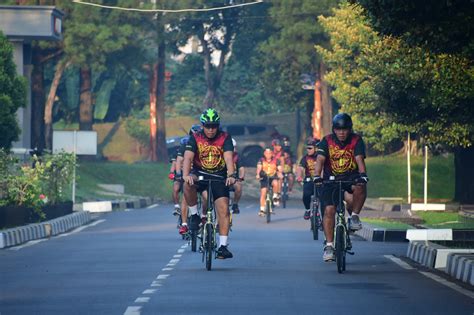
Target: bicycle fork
347, 241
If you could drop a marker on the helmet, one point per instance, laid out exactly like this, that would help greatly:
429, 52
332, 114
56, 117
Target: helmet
286, 141
342, 121
184, 140
312, 142
194, 129
268, 149
276, 142
210, 116
234, 143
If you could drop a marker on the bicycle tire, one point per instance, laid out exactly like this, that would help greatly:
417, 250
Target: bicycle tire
268, 211
193, 233
340, 249
209, 246
314, 226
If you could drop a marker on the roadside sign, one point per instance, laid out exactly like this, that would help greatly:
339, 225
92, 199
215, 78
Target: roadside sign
78, 142
307, 87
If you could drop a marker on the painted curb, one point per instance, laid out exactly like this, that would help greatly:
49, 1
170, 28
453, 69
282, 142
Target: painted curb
373, 234
461, 267
23, 234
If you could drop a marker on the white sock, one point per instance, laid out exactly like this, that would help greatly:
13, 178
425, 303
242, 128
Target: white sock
176, 205
193, 209
184, 224
262, 208
223, 240
329, 244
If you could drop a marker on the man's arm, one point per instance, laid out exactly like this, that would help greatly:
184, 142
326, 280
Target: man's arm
241, 172
360, 160
229, 162
319, 165
259, 169
179, 165
187, 160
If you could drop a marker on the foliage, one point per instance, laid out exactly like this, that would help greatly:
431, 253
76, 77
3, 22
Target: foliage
34, 186
12, 94
138, 128
390, 87
289, 52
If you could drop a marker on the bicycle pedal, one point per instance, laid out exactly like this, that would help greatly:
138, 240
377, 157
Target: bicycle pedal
350, 253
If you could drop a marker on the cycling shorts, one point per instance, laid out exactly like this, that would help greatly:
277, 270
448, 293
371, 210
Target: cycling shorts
219, 189
330, 192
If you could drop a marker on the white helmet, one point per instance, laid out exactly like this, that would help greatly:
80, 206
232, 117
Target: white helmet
234, 143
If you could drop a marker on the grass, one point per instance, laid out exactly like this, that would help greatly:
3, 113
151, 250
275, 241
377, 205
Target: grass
388, 177
387, 224
445, 220
139, 179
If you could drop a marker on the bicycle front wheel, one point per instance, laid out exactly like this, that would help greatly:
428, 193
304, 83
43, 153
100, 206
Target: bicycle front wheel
209, 245
340, 248
269, 210
315, 225
193, 233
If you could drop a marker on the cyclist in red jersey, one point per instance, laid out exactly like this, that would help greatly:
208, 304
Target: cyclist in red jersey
342, 155
278, 155
267, 166
238, 184
307, 169
210, 152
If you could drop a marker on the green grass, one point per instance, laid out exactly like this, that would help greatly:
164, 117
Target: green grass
388, 177
139, 179
445, 220
387, 224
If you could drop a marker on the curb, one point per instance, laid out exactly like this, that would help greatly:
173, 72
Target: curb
461, 267
423, 253
20, 235
133, 203
373, 234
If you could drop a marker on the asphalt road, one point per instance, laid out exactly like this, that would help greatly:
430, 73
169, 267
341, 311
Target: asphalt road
134, 262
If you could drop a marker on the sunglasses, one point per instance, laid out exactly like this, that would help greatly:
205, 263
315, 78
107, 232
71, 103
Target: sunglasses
310, 148
211, 126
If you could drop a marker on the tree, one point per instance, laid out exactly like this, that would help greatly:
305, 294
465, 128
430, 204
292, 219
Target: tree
12, 94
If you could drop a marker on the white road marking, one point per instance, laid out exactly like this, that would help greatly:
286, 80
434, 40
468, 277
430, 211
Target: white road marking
177, 256
81, 228
162, 277
174, 261
248, 207
128, 210
448, 284
149, 291
152, 206
181, 251
30, 243
166, 269
142, 300
432, 276
76, 230
155, 284
133, 310
399, 262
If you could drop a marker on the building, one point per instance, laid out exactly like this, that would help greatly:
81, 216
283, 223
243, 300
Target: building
21, 25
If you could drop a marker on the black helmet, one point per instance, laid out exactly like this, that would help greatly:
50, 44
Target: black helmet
194, 129
312, 142
342, 121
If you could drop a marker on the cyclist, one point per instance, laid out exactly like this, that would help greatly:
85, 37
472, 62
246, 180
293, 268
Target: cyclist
307, 169
210, 151
286, 143
177, 188
342, 154
238, 184
267, 166
278, 155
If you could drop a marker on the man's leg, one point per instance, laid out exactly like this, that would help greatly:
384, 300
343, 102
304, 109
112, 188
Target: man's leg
358, 199
275, 186
222, 208
237, 195
263, 195
328, 222
175, 195
291, 182
190, 193
307, 193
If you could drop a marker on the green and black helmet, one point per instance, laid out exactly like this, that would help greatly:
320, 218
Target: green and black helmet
210, 117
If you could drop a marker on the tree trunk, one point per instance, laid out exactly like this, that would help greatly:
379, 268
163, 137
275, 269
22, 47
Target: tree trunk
162, 152
48, 109
153, 81
464, 173
85, 106
326, 103
38, 99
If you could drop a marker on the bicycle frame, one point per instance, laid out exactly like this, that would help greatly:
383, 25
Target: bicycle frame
269, 197
284, 189
316, 211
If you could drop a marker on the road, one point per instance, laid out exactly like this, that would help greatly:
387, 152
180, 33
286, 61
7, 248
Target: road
133, 262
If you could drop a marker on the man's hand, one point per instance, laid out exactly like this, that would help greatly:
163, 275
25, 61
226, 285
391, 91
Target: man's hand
188, 179
363, 179
318, 181
230, 181
299, 179
171, 175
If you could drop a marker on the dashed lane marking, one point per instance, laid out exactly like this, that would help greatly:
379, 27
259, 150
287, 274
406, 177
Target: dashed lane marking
399, 262
133, 310
142, 299
152, 206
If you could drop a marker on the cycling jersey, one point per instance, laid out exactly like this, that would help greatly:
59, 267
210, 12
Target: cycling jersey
308, 162
209, 153
270, 168
288, 167
340, 157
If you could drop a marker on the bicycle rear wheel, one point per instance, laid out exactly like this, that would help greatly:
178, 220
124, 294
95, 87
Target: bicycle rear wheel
193, 233
340, 249
315, 224
209, 250
268, 209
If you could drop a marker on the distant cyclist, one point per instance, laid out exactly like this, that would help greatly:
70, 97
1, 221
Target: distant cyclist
307, 170
238, 184
268, 166
210, 152
183, 229
288, 169
342, 154
278, 155
177, 187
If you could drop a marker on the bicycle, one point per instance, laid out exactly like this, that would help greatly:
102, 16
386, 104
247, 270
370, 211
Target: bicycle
284, 190
342, 241
193, 233
316, 218
209, 230
269, 197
